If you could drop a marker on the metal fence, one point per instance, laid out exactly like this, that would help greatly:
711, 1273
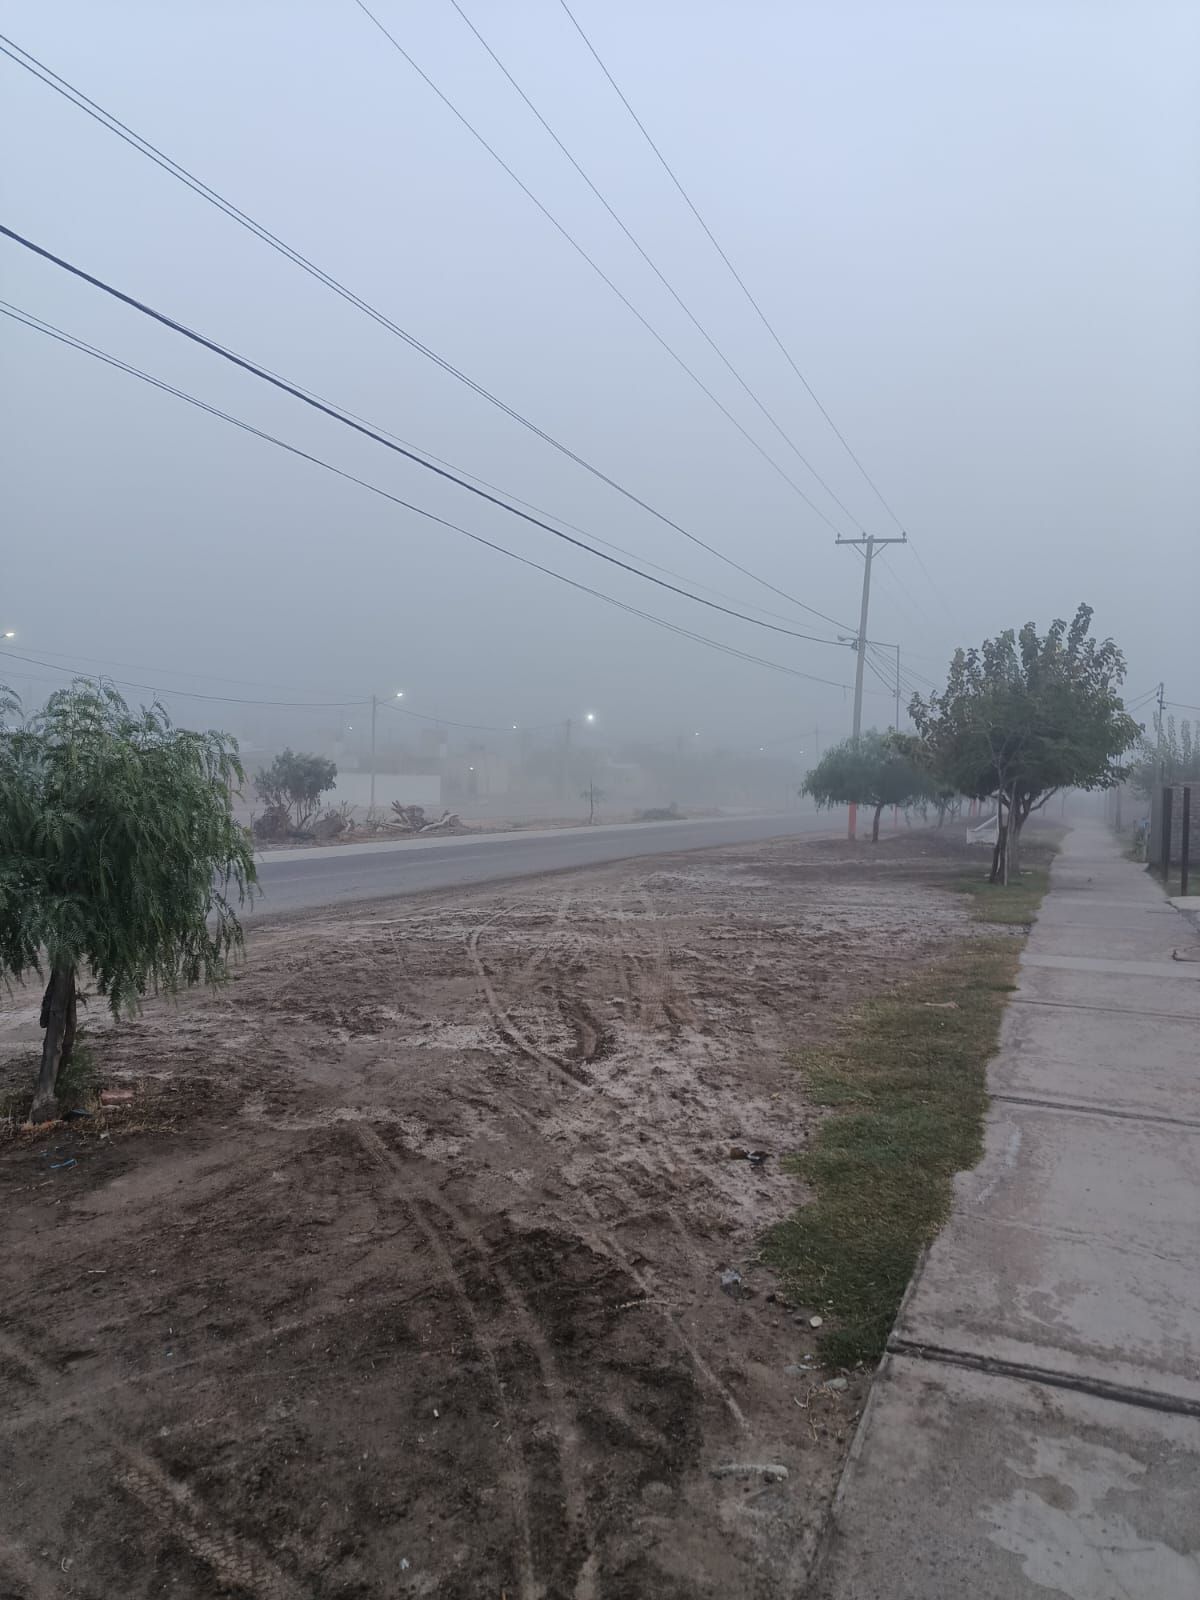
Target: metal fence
1171, 841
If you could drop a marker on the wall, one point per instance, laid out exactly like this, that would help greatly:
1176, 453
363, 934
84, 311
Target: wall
410, 788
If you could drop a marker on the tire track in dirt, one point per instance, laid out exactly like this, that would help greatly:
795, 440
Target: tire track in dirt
237, 1562
570, 1074
518, 1481
21, 1577
553, 937
603, 1239
492, 1262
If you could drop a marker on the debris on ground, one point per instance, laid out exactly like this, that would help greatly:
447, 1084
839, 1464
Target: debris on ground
769, 1470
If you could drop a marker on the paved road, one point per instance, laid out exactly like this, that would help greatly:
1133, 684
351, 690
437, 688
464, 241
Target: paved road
300, 880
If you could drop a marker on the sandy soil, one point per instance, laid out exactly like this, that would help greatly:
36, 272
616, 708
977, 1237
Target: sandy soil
401, 1274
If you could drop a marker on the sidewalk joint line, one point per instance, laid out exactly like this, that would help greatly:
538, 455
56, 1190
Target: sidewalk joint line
1116, 1011
1098, 1111
993, 1366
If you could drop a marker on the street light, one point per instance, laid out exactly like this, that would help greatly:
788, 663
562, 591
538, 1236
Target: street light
10, 633
399, 694
589, 716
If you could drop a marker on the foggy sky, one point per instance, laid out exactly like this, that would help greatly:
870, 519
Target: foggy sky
976, 228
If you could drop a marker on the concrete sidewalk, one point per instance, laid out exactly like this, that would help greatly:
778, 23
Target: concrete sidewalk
1035, 1427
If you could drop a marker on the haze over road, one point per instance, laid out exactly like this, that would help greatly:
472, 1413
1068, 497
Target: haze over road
300, 880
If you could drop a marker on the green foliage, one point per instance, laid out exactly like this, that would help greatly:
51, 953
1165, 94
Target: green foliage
121, 852
877, 769
1171, 755
296, 781
1039, 714
1025, 716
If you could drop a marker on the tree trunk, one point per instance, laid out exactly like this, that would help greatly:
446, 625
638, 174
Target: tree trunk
875, 824
1000, 856
58, 1019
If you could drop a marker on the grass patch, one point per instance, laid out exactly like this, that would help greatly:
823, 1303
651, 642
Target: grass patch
1012, 904
908, 1085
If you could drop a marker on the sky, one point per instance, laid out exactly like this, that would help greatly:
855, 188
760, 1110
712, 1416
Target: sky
974, 227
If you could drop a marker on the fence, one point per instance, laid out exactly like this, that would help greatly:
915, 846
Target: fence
1172, 820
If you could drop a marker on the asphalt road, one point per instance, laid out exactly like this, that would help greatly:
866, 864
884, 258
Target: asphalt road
301, 880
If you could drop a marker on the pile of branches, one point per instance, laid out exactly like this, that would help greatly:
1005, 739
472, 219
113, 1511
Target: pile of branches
412, 819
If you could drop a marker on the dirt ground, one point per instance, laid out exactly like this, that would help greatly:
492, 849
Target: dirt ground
401, 1273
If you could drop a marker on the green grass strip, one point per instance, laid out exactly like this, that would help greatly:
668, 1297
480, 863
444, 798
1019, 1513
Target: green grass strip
907, 1083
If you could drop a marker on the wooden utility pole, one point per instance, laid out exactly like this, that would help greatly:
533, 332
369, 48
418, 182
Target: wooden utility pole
374, 709
869, 544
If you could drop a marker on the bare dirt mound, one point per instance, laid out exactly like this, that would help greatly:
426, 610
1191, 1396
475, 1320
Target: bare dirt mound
402, 1274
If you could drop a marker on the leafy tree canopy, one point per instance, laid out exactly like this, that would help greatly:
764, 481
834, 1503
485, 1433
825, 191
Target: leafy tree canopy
121, 855
877, 769
296, 781
1026, 715
1170, 755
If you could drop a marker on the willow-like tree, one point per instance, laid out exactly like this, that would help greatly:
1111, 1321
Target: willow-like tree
121, 862
876, 770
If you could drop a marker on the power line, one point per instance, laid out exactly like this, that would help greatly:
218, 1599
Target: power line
65, 338
753, 302
145, 147
945, 604
916, 609
738, 279
594, 264
136, 666
379, 438
190, 694
1140, 699
660, 275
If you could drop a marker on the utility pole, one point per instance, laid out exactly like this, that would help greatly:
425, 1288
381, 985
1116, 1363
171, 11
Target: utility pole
897, 688
869, 544
566, 760
374, 709
1162, 760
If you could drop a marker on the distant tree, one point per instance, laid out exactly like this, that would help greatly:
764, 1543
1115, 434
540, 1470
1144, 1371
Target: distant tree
876, 770
1168, 755
121, 859
296, 781
1024, 716
592, 795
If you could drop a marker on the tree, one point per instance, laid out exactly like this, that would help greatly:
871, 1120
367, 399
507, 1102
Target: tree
1171, 756
1024, 716
295, 782
876, 769
592, 794
121, 857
